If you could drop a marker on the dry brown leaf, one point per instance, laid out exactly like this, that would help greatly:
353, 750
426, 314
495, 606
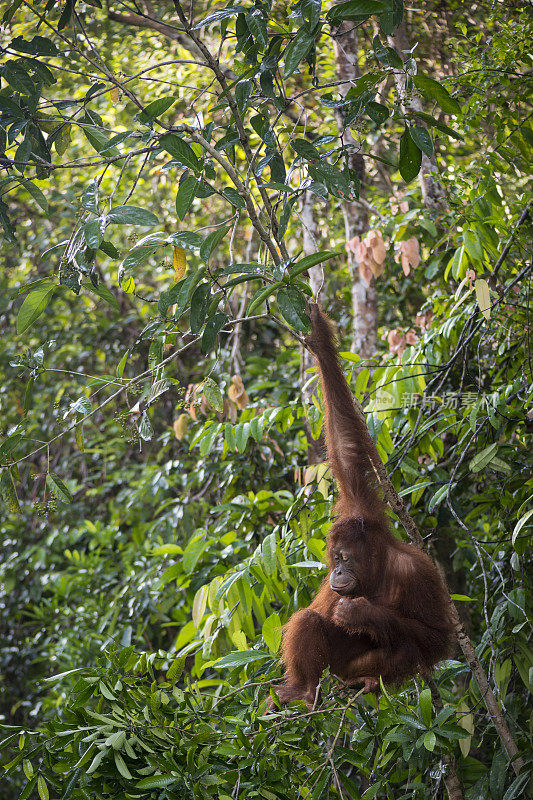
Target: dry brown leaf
423, 320
180, 426
409, 254
237, 392
471, 275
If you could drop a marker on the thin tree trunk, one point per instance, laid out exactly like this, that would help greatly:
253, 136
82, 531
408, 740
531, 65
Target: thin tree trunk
364, 296
433, 194
315, 447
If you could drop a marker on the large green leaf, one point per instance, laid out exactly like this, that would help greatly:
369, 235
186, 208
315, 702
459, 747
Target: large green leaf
34, 305
433, 90
293, 307
212, 241
156, 108
435, 123
218, 16
199, 305
185, 195
410, 157
356, 10
212, 329
297, 50
156, 782
312, 260
272, 632
131, 215
239, 659
306, 149
386, 55
180, 150
422, 139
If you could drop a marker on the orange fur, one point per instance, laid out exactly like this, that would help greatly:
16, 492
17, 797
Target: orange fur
395, 623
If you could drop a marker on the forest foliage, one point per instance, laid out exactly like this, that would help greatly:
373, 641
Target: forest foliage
161, 514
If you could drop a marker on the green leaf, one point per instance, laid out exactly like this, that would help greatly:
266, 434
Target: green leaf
156, 108
433, 90
243, 90
116, 740
212, 241
517, 787
435, 123
410, 157
355, 10
422, 139
89, 197
439, 496
146, 432
180, 150
42, 788
33, 306
391, 18
192, 553
26, 792
121, 766
473, 245
312, 260
481, 460
293, 307
37, 46
167, 550
520, 524
58, 488
95, 763
268, 554
297, 49
377, 112
37, 195
257, 27
96, 138
199, 604
156, 782
185, 196
131, 215
212, 329
104, 293
18, 78
199, 305
176, 668
213, 394
272, 632
234, 197
187, 239
386, 55
306, 149
430, 740
239, 659
259, 297
92, 232
8, 493
218, 16
424, 701
109, 249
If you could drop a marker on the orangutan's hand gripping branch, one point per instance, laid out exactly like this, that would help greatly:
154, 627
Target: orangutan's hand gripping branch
382, 610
